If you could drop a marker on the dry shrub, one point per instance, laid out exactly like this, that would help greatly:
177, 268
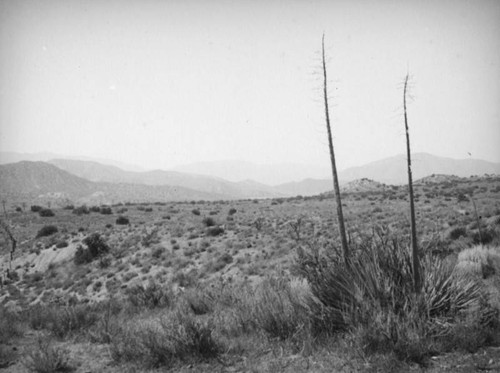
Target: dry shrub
161, 341
152, 295
43, 357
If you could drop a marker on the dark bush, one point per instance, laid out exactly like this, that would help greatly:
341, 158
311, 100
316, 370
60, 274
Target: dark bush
81, 210
95, 209
19, 209
209, 222
96, 247
195, 212
105, 210
232, 211
46, 230
215, 231
36, 208
122, 220
69, 207
62, 244
458, 232
46, 213
483, 236
82, 255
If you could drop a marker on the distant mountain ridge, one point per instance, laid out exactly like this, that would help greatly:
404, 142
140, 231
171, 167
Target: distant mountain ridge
271, 174
393, 170
39, 182
97, 172
14, 157
113, 182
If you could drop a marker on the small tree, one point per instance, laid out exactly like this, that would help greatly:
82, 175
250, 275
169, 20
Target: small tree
336, 188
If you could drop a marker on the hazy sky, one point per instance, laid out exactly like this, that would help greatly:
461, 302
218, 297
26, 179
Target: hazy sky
162, 83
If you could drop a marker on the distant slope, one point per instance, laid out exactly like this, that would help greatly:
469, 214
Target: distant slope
437, 179
362, 185
393, 170
274, 174
104, 173
41, 182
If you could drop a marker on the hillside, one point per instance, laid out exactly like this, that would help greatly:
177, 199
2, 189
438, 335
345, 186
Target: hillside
363, 185
437, 179
33, 180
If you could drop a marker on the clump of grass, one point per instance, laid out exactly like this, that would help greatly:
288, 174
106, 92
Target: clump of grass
62, 321
280, 310
372, 297
199, 301
479, 260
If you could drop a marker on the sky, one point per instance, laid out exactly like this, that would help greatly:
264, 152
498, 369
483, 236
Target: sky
165, 83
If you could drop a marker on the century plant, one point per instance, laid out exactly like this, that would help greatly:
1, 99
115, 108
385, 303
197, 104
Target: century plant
336, 188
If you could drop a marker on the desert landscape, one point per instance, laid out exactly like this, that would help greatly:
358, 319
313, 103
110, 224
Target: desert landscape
229, 285
249, 186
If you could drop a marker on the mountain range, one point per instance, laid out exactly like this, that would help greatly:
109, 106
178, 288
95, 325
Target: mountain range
98, 172
85, 181
41, 182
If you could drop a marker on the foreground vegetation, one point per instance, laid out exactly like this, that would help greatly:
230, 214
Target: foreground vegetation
255, 285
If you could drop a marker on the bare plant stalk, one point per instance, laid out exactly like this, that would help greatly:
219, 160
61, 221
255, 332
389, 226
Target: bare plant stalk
477, 219
417, 281
340, 215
